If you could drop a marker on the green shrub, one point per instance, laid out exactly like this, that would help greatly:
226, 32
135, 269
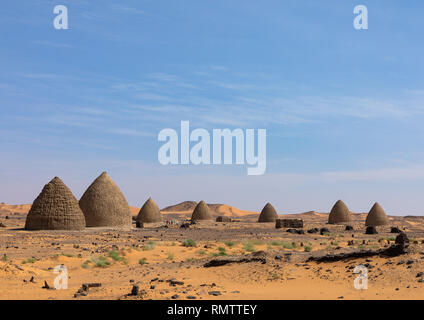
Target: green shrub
142, 261
288, 245
4, 258
249, 247
29, 260
221, 252
101, 262
308, 248
116, 256
149, 246
229, 244
276, 243
189, 243
274, 275
67, 255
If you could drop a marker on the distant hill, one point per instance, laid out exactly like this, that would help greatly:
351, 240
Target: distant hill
217, 209
15, 208
183, 206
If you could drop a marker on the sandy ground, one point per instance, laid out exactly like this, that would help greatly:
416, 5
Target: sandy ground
150, 258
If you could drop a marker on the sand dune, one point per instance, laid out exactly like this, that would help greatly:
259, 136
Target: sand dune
18, 208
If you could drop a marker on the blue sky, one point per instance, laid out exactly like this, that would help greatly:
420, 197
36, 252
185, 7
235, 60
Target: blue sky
343, 108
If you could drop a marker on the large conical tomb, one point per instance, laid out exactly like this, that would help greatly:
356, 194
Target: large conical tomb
376, 216
104, 205
149, 213
339, 213
55, 208
268, 214
201, 212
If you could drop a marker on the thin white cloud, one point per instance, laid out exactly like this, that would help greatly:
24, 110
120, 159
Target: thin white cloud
131, 132
52, 44
129, 9
163, 77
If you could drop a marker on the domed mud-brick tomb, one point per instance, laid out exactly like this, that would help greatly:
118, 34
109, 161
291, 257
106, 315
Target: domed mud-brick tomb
376, 216
268, 214
104, 205
339, 213
55, 208
201, 212
149, 213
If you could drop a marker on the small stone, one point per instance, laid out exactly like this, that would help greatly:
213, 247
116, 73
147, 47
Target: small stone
135, 290
395, 230
323, 231
174, 282
371, 230
46, 285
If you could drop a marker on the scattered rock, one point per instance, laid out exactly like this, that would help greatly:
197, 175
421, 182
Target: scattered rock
135, 291
259, 253
46, 286
349, 228
223, 261
295, 231
402, 240
371, 230
87, 286
322, 231
174, 282
215, 293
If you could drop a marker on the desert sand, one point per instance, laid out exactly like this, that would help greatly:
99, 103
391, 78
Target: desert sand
169, 262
